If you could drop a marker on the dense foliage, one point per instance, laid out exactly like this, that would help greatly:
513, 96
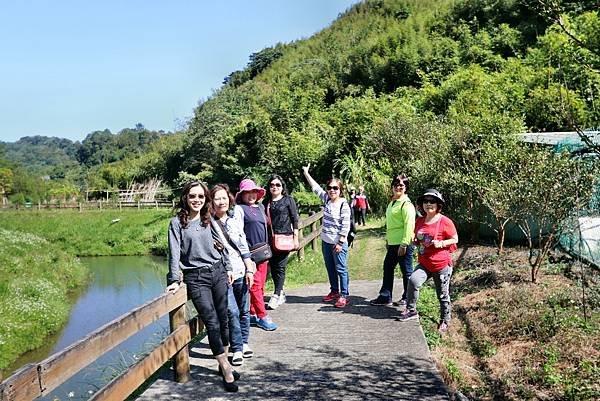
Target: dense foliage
437, 89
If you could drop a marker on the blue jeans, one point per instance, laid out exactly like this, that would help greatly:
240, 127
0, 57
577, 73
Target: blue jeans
238, 312
337, 267
389, 266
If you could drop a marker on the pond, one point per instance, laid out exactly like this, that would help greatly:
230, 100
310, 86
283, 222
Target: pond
119, 284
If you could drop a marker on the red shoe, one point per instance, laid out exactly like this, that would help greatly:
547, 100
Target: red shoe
341, 302
332, 296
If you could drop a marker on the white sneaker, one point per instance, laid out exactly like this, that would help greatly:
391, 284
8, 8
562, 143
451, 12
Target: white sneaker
281, 298
238, 358
247, 351
273, 302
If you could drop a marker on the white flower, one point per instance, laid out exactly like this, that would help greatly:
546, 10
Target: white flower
71, 394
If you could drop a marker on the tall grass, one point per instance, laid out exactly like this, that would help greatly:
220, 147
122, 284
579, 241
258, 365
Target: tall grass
35, 279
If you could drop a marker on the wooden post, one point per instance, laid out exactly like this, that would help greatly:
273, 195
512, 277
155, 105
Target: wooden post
39, 206
80, 207
313, 228
100, 204
181, 360
139, 206
301, 250
156, 203
120, 206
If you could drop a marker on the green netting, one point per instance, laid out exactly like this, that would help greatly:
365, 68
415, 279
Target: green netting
572, 144
581, 234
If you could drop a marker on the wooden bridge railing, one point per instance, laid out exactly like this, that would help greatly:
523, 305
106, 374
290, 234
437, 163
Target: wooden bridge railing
36, 380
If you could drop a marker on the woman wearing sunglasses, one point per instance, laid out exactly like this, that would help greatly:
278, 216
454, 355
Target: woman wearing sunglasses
435, 239
282, 216
250, 214
334, 234
196, 252
400, 226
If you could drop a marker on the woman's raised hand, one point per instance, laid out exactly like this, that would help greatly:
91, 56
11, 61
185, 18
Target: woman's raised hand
305, 168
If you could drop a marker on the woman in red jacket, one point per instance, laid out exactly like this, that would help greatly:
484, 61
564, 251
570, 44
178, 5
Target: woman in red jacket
435, 239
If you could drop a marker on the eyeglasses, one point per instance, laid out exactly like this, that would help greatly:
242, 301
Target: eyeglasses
400, 185
194, 196
429, 201
332, 188
275, 184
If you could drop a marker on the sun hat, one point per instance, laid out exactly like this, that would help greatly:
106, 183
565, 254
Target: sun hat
249, 185
431, 192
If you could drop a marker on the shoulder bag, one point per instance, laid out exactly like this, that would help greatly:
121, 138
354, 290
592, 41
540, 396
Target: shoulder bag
281, 242
262, 251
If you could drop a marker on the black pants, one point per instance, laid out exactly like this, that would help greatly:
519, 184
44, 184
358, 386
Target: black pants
389, 266
207, 288
278, 263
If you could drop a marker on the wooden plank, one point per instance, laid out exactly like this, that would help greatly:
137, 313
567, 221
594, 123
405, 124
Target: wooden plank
181, 360
309, 220
305, 240
24, 385
122, 386
57, 368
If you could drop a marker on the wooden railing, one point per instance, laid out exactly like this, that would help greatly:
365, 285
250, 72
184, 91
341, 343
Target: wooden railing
36, 380
92, 205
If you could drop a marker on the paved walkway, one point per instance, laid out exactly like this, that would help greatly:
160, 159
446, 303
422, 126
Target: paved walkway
320, 352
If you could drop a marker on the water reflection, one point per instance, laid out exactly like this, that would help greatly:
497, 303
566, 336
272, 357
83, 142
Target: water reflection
119, 284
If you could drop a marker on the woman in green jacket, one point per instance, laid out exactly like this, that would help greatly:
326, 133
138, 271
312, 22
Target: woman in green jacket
400, 225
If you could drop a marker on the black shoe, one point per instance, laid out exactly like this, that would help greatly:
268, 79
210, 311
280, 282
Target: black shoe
230, 387
380, 302
236, 374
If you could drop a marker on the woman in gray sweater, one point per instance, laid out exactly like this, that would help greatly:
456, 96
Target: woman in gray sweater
198, 258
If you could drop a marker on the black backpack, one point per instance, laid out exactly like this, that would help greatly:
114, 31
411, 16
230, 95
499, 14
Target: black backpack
352, 232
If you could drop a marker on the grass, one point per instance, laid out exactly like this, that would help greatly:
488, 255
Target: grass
514, 340
35, 279
38, 266
365, 260
95, 232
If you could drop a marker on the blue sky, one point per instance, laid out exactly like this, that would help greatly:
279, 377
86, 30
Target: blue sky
72, 67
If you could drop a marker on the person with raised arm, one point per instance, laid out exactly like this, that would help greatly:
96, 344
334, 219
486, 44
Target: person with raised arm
334, 234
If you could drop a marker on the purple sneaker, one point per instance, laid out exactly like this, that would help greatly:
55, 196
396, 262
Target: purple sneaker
408, 315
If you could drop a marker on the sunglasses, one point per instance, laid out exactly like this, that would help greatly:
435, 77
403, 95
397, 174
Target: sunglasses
332, 188
430, 201
194, 196
399, 185
275, 184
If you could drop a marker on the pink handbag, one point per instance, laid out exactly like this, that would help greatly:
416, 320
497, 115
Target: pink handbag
283, 242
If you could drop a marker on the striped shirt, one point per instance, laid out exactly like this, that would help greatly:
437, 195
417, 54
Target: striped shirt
336, 218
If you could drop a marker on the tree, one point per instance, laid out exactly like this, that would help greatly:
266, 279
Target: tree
553, 185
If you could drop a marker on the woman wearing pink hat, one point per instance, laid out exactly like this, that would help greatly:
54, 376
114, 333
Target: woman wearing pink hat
251, 215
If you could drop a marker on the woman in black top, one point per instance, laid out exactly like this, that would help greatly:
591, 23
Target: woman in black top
282, 219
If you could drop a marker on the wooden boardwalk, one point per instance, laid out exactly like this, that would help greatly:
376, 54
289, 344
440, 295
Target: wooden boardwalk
320, 352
